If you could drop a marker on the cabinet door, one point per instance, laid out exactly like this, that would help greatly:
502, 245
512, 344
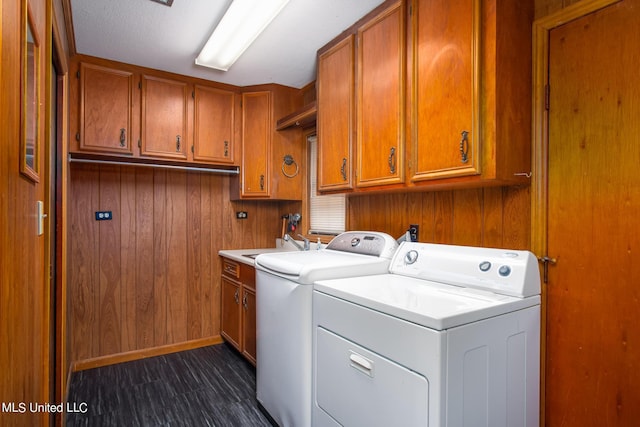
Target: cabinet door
249, 324
336, 88
231, 321
106, 109
164, 118
445, 89
380, 110
213, 125
256, 143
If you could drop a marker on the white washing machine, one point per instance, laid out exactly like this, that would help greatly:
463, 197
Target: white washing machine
450, 336
284, 321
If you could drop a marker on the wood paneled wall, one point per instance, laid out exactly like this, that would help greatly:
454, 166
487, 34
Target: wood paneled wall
150, 276
493, 217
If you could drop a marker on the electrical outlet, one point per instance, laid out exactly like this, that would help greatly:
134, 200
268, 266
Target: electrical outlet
413, 232
104, 216
242, 215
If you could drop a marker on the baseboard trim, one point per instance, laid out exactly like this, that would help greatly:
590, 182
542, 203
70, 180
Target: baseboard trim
96, 362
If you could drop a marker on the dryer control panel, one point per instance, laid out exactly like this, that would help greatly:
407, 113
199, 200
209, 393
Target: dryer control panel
503, 271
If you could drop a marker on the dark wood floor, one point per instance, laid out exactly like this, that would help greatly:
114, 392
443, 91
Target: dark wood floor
209, 386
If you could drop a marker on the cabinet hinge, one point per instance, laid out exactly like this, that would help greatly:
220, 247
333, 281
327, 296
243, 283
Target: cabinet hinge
193, 149
140, 144
77, 136
410, 10
77, 74
546, 97
193, 94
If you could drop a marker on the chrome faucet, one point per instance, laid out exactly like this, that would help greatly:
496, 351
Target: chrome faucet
306, 246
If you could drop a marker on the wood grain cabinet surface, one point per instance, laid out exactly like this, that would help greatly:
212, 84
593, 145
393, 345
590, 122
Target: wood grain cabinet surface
238, 307
336, 115
107, 110
265, 174
461, 70
129, 111
165, 118
214, 125
471, 92
380, 98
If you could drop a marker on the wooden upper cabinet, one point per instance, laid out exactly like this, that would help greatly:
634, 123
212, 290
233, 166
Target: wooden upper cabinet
165, 118
108, 99
213, 138
256, 144
380, 98
445, 104
336, 111
470, 92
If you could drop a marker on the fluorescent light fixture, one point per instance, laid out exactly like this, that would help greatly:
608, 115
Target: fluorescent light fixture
239, 27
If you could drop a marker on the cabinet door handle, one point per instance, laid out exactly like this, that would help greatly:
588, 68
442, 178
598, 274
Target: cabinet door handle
244, 302
261, 182
236, 297
464, 147
392, 160
343, 169
178, 143
123, 137
226, 148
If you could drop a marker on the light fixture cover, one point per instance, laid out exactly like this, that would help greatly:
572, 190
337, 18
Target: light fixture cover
239, 27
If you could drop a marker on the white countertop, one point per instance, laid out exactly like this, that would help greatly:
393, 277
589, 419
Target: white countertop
239, 254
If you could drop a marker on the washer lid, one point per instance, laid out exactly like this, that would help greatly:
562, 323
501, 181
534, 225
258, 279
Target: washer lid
430, 304
308, 266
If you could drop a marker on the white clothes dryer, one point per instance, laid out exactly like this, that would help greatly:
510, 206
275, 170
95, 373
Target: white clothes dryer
450, 336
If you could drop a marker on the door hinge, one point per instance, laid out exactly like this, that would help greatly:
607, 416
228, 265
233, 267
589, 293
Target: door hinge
77, 136
77, 74
546, 97
545, 260
140, 143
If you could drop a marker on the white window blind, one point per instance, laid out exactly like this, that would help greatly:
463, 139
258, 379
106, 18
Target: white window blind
327, 212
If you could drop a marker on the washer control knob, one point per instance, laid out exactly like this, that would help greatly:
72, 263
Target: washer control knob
411, 257
484, 266
355, 242
504, 270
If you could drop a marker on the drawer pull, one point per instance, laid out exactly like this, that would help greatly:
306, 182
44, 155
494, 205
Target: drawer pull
361, 364
464, 147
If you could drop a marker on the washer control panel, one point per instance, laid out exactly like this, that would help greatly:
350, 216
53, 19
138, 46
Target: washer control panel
365, 243
508, 272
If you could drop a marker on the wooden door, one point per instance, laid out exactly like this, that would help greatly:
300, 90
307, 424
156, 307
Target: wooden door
444, 76
249, 324
380, 106
25, 318
231, 321
336, 109
593, 291
106, 110
165, 132
256, 143
213, 125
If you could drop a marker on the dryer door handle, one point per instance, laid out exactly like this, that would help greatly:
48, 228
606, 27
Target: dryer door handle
361, 363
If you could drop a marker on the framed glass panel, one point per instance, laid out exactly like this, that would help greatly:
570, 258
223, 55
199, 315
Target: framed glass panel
30, 98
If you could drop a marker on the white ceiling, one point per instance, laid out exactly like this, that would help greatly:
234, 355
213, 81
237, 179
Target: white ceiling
149, 34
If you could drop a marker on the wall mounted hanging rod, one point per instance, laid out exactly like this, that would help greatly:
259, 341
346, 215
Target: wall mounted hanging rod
234, 171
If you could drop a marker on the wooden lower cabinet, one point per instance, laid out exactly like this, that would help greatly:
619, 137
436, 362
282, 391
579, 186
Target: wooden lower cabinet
238, 307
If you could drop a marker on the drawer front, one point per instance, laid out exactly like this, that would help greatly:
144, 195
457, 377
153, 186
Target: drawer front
248, 276
230, 268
